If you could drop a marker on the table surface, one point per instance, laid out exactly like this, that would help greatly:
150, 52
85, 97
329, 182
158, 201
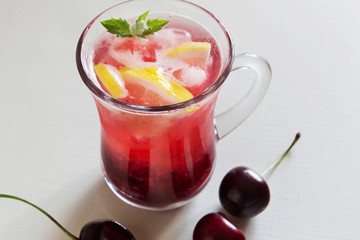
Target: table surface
49, 144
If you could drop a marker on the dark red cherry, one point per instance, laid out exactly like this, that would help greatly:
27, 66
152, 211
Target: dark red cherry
215, 226
94, 230
105, 230
244, 193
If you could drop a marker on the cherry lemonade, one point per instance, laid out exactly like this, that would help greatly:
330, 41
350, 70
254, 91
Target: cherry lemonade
155, 160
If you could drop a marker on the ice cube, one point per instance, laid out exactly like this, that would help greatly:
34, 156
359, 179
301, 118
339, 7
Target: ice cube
191, 76
137, 47
170, 37
128, 59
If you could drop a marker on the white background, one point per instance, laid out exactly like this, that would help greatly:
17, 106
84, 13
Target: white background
49, 128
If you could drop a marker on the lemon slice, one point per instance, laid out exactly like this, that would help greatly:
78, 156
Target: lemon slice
155, 82
111, 80
194, 53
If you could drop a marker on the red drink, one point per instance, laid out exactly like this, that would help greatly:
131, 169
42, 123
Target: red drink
156, 166
156, 97
160, 159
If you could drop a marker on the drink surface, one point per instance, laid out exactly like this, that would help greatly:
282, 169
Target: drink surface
158, 160
172, 65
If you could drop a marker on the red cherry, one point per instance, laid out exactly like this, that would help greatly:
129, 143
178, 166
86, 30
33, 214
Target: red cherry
105, 230
244, 193
215, 226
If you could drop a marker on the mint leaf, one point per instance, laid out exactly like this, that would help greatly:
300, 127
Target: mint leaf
141, 28
119, 27
142, 16
155, 25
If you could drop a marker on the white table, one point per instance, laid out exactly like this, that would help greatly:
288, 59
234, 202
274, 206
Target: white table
49, 128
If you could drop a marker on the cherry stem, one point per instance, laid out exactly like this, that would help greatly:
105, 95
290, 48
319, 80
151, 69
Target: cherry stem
282, 157
43, 211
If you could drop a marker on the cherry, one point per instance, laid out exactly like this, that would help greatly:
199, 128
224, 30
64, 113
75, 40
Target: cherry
244, 193
105, 230
94, 230
215, 226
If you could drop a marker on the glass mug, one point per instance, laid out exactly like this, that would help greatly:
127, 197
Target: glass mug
160, 157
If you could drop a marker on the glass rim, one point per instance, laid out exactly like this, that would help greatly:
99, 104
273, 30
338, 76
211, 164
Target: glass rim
140, 108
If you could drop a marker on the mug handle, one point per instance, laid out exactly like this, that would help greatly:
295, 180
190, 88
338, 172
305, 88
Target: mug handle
227, 121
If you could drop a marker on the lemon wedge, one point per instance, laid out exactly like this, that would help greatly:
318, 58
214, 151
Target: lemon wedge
154, 80
111, 79
194, 53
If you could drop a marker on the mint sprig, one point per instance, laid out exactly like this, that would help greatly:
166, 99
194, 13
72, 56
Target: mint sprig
119, 27
141, 28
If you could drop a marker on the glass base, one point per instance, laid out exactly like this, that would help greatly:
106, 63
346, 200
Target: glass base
122, 196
